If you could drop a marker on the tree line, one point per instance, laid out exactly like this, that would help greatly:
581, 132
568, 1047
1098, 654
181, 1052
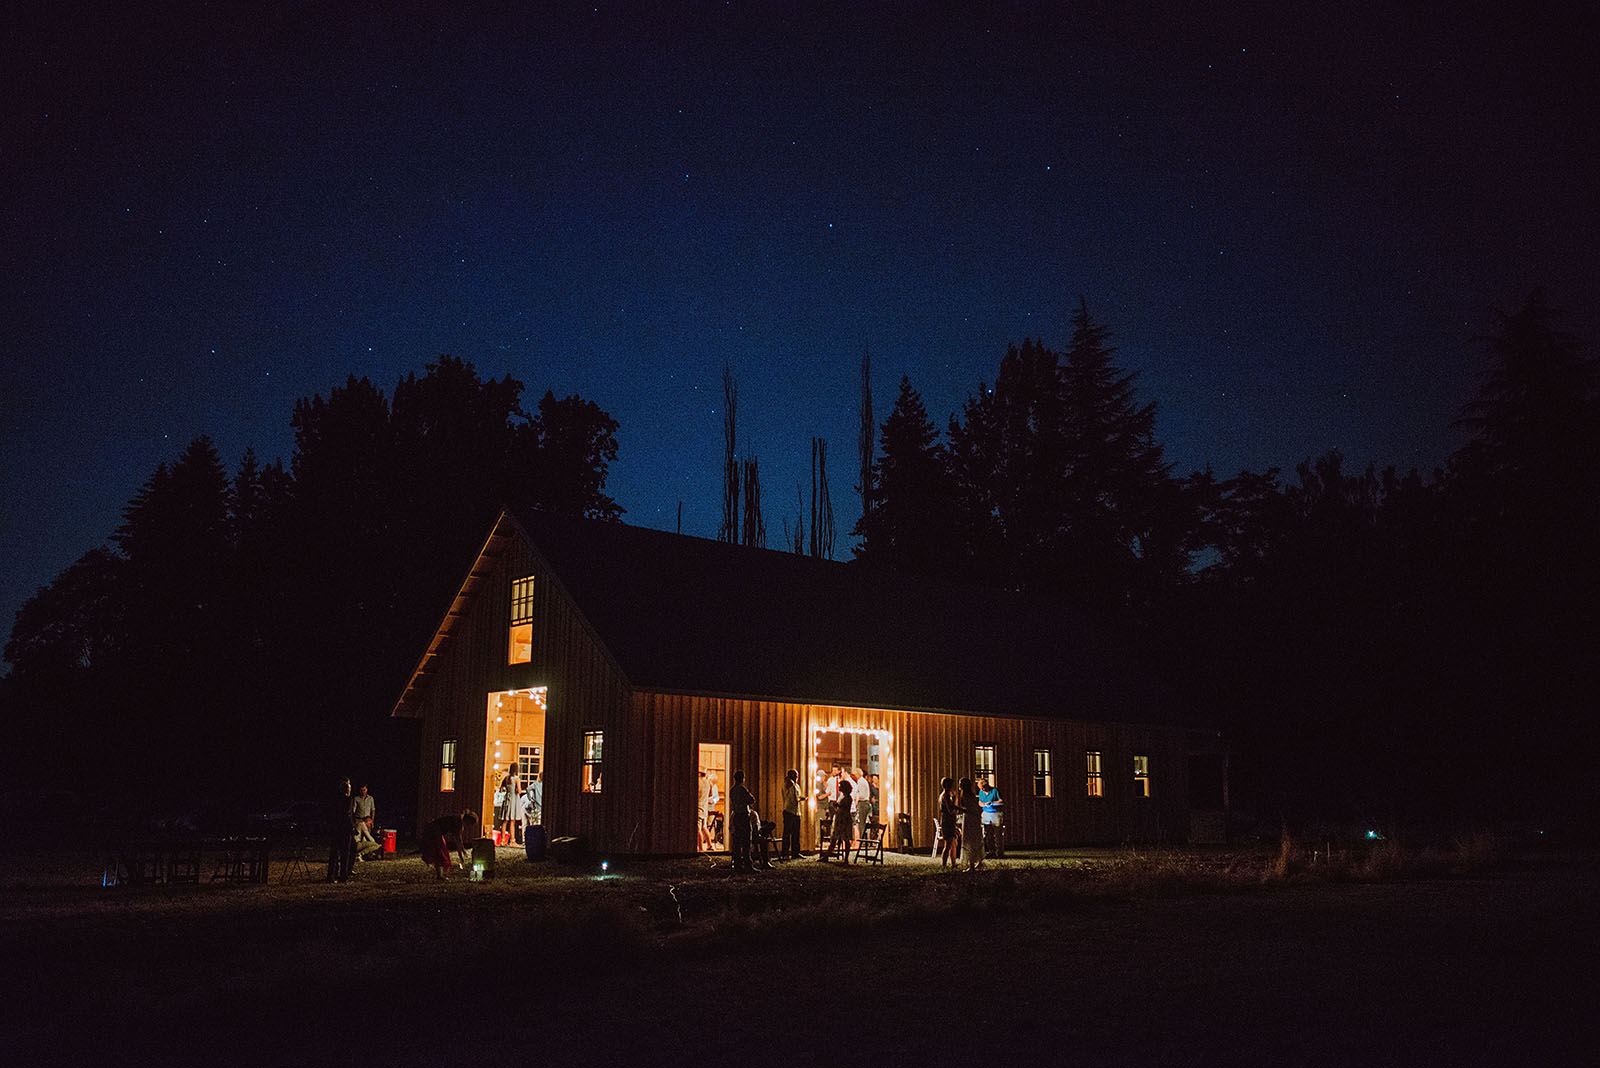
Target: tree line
238, 635
1373, 645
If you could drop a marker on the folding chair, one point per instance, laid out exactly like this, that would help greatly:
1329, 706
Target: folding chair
297, 862
871, 847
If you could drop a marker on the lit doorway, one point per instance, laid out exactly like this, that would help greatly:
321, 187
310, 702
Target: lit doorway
840, 752
514, 743
711, 815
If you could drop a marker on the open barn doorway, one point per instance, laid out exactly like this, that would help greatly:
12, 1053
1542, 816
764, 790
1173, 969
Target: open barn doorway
513, 756
712, 828
865, 757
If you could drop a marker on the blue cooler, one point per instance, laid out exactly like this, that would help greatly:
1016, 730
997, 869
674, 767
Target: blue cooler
533, 841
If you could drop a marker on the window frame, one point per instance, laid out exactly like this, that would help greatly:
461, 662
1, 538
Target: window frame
1043, 779
980, 770
1094, 773
1141, 775
594, 743
519, 603
447, 765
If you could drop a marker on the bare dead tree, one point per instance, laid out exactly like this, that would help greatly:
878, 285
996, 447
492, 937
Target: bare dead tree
867, 441
795, 540
729, 531
822, 529
755, 527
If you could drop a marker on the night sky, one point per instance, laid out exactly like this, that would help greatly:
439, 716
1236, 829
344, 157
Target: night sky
1295, 223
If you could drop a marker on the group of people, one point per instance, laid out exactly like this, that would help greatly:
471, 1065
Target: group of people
966, 811
351, 819
518, 805
849, 798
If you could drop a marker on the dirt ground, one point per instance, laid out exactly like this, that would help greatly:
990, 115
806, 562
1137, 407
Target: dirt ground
677, 962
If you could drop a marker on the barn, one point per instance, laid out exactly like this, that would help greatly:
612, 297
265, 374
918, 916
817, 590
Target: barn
623, 665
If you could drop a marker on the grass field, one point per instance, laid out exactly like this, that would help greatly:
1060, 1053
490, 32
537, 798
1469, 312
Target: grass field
1081, 957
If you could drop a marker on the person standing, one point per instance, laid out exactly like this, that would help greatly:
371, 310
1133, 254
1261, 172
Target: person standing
791, 815
513, 813
993, 823
366, 813
532, 804
972, 825
844, 814
949, 822
740, 803
703, 816
863, 797
341, 833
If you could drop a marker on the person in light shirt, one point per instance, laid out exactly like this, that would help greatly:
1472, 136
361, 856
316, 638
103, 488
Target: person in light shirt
861, 791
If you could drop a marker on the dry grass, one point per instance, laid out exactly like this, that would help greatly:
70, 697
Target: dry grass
631, 954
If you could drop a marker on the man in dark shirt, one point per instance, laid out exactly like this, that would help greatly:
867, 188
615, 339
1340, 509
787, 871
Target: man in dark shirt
740, 803
341, 833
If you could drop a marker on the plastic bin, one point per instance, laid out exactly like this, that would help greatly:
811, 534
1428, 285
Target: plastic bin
533, 841
390, 836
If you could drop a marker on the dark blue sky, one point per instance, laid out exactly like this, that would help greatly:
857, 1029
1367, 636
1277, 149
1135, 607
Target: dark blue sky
1294, 223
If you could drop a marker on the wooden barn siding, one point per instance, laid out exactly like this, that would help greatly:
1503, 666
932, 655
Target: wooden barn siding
586, 693
767, 738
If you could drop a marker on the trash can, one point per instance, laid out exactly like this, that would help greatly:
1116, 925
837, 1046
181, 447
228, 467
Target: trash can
902, 824
389, 837
533, 841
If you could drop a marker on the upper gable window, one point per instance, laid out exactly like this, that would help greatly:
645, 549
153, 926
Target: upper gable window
521, 641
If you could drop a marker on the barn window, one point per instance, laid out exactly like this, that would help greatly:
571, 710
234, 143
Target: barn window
1043, 785
521, 641
593, 747
1096, 784
447, 765
983, 763
1141, 776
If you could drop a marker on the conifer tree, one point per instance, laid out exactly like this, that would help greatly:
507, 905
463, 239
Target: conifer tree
908, 525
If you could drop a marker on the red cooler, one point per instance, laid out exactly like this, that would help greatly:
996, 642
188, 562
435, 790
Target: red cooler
389, 835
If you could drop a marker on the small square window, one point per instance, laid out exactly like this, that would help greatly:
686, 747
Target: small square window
1141, 776
1095, 781
1043, 783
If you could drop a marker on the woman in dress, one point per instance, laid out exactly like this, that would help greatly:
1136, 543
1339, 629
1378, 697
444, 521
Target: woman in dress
972, 824
445, 835
949, 822
513, 815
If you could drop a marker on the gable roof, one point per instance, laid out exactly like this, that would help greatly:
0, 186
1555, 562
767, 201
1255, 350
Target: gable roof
690, 615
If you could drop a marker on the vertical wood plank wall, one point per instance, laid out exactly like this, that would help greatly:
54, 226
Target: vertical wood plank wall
586, 693
767, 738
650, 779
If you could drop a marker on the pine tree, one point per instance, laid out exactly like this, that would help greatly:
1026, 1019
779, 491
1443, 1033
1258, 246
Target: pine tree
1126, 520
1010, 467
908, 525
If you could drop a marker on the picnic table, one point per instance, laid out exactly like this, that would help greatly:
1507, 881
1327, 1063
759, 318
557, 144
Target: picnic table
186, 859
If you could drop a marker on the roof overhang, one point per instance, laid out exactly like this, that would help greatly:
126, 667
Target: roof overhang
494, 547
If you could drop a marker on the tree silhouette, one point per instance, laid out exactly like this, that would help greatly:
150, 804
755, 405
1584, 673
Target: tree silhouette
1060, 485
907, 525
729, 530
